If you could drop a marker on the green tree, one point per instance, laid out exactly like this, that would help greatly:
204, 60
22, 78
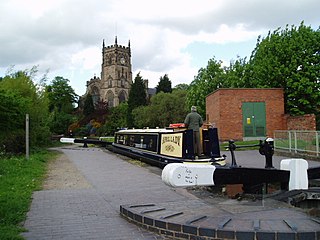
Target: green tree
137, 97
20, 95
116, 119
12, 108
62, 99
164, 108
233, 75
61, 95
288, 59
88, 106
181, 86
207, 80
164, 85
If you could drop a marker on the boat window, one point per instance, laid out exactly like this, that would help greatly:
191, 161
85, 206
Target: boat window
147, 142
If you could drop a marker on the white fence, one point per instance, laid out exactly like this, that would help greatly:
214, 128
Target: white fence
304, 142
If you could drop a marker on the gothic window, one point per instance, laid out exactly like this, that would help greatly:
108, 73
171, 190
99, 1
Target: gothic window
122, 96
110, 82
95, 95
122, 82
110, 97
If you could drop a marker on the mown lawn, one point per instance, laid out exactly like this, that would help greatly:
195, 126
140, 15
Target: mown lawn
19, 177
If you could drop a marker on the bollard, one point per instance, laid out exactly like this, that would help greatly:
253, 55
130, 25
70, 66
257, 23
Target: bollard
267, 149
85, 145
232, 147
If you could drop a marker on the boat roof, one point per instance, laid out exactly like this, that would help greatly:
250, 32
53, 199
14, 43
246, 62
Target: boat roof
147, 130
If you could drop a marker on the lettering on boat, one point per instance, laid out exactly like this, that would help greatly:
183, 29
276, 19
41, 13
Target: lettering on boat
171, 144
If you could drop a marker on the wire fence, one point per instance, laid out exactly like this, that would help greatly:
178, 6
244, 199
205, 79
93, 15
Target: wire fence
298, 142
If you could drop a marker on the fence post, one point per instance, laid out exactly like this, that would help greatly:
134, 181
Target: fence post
317, 143
289, 133
27, 136
295, 142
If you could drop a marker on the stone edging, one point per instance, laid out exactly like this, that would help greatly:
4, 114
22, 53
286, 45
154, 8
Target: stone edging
192, 229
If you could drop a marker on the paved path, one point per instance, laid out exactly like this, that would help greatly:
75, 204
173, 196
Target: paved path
93, 213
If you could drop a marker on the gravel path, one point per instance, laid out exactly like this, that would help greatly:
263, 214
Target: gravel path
63, 174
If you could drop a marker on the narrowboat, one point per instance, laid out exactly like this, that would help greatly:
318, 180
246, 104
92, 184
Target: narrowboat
172, 149
161, 146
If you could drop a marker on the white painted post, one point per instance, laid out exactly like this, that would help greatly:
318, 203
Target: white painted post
27, 136
298, 172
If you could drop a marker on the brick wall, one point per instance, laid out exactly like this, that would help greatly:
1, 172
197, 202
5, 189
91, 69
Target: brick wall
224, 108
305, 122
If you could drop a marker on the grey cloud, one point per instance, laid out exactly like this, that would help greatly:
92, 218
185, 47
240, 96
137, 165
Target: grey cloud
75, 25
255, 15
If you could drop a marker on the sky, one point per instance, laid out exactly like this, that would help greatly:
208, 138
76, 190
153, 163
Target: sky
174, 37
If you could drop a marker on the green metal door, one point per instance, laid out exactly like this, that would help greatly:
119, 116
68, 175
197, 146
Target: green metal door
254, 119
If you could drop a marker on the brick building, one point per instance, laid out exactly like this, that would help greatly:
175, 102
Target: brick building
245, 114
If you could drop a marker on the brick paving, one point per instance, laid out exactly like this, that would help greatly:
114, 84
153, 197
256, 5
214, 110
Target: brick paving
94, 213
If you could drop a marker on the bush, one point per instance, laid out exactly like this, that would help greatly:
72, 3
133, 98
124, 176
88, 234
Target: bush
13, 142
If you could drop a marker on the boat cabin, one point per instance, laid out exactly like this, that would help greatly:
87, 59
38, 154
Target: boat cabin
173, 142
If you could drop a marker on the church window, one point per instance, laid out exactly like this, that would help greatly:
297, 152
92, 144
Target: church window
110, 99
95, 95
122, 82
122, 97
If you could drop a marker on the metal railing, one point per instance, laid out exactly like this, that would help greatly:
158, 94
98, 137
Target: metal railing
294, 141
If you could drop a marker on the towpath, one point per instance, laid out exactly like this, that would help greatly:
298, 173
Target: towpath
89, 208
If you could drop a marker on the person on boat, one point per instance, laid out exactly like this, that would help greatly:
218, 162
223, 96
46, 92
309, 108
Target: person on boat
194, 121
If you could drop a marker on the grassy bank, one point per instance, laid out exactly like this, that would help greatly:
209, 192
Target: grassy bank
19, 177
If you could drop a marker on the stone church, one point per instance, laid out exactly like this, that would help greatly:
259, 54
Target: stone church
115, 81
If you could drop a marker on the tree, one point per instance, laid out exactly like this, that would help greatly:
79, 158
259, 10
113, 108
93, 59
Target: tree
88, 106
61, 95
62, 99
207, 80
181, 86
164, 108
233, 75
116, 119
137, 97
164, 85
20, 95
289, 59
12, 108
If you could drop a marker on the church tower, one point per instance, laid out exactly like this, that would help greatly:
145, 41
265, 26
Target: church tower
116, 75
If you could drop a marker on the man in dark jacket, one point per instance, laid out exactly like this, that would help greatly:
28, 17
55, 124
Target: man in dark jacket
194, 121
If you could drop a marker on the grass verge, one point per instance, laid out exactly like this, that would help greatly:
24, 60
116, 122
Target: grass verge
224, 145
19, 177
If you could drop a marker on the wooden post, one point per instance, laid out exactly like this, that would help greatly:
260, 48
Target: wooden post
27, 136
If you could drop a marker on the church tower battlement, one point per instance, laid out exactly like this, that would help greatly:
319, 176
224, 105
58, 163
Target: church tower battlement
115, 81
